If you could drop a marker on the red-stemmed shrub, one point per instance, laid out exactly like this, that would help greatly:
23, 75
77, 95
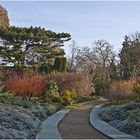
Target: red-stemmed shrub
26, 85
78, 82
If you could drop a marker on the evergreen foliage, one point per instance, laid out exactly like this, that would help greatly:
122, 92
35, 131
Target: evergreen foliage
34, 46
130, 56
60, 64
46, 68
64, 66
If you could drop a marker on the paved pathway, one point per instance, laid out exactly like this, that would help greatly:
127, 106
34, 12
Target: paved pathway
76, 125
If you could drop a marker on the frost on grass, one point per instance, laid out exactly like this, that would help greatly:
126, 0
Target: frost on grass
17, 124
126, 118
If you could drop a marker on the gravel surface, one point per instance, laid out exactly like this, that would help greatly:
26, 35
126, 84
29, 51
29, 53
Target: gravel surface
76, 124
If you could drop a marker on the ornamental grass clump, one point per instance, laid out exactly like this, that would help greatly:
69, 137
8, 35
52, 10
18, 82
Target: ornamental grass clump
26, 85
121, 91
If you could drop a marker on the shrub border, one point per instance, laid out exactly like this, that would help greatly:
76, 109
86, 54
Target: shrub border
104, 127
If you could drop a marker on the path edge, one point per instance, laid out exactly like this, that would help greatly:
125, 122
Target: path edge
104, 127
48, 128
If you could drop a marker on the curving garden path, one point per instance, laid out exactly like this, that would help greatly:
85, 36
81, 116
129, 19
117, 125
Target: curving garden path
75, 124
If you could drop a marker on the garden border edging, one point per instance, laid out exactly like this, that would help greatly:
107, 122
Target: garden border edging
48, 128
104, 127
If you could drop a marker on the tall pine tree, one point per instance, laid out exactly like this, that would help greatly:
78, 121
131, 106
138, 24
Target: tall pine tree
34, 46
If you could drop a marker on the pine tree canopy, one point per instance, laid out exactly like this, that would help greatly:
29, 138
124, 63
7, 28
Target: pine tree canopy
30, 46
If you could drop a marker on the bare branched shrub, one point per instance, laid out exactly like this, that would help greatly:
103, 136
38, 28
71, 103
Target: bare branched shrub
78, 82
121, 91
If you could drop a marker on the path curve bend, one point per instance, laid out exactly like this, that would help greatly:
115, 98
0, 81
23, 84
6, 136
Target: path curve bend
75, 124
104, 127
48, 129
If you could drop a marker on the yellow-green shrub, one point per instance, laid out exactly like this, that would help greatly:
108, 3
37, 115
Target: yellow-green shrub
52, 95
68, 97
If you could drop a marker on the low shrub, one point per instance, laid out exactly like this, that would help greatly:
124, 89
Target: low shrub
112, 113
9, 99
24, 125
126, 118
68, 97
74, 106
51, 108
130, 127
78, 82
87, 98
26, 85
37, 108
134, 115
52, 94
42, 111
38, 111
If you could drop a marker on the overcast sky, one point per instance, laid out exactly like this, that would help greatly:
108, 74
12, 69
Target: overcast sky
85, 21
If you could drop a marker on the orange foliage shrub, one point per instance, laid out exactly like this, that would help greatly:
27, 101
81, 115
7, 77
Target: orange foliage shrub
71, 81
121, 91
25, 85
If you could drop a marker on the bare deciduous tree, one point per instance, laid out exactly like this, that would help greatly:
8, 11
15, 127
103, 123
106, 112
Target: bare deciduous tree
71, 59
96, 62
